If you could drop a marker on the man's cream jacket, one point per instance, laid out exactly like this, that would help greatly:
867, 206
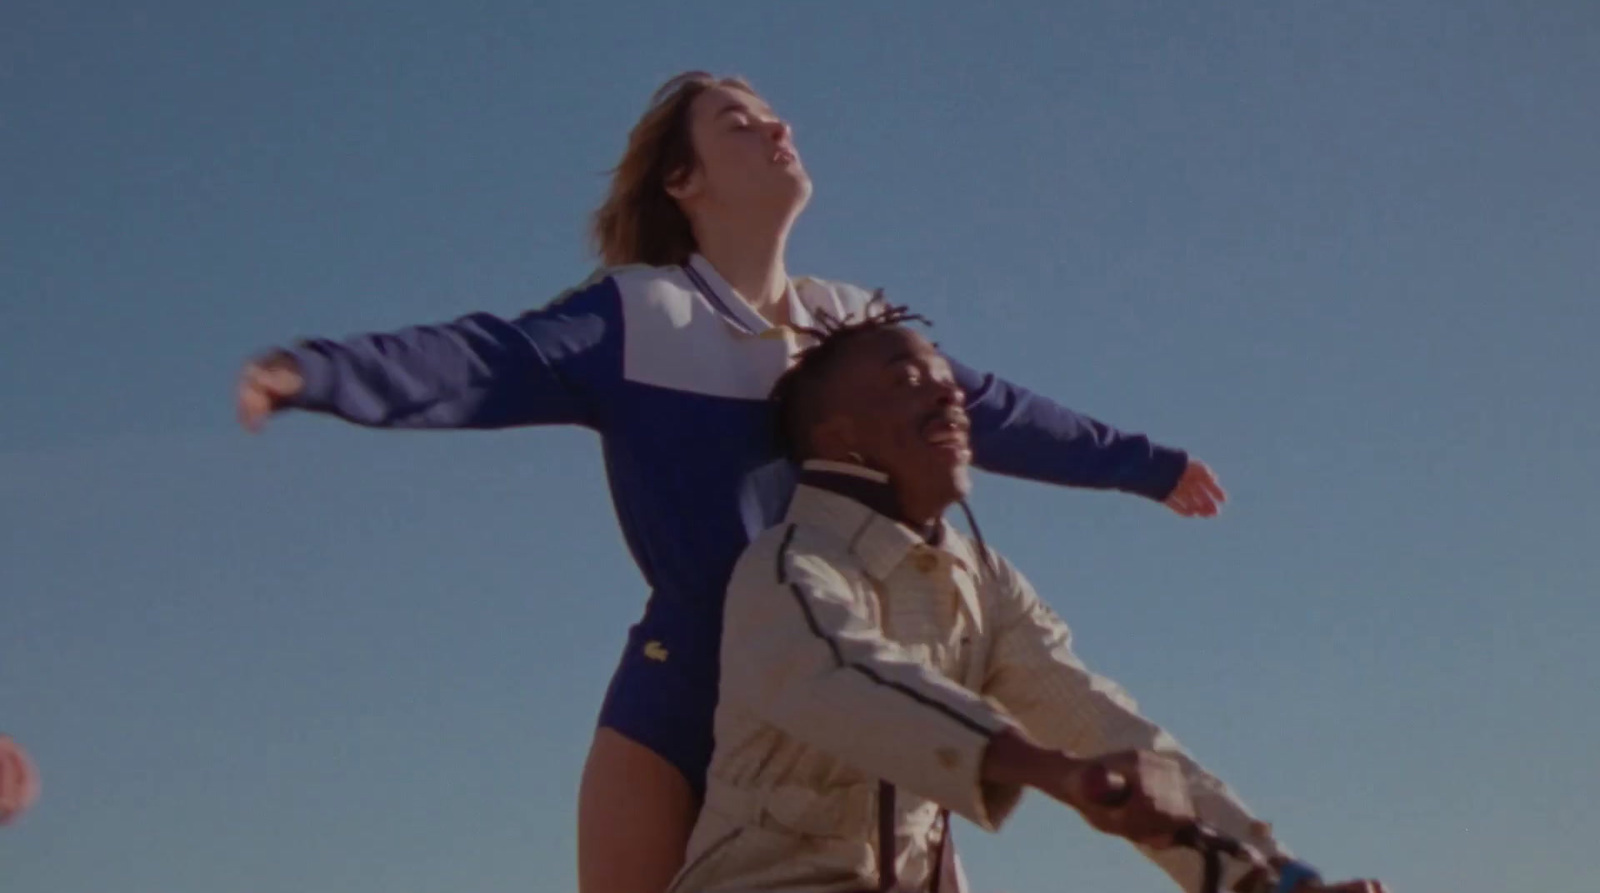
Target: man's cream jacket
855, 651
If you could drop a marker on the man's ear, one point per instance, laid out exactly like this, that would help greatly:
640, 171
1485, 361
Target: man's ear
834, 438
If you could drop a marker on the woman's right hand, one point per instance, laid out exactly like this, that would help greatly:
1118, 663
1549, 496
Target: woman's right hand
266, 385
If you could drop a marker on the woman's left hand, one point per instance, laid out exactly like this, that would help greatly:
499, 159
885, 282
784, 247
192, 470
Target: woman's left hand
19, 781
1198, 495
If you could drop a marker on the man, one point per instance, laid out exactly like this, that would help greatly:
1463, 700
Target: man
880, 671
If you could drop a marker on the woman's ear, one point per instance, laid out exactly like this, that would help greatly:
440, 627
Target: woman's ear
685, 184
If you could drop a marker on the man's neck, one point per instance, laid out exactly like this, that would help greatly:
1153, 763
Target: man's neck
920, 514
750, 258
881, 496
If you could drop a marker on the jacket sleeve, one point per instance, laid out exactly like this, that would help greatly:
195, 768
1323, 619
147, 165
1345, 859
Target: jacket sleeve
555, 365
803, 650
1018, 433
1034, 674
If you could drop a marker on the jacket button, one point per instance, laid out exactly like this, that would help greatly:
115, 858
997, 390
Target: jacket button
926, 562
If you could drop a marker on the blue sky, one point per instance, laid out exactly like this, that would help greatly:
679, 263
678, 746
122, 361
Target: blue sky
1346, 253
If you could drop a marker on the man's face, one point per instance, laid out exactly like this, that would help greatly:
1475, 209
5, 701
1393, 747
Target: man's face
893, 399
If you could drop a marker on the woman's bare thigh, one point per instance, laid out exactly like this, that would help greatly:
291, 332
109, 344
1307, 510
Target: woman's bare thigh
635, 813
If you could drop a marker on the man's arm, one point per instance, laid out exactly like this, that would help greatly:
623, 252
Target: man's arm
803, 650
1034, 674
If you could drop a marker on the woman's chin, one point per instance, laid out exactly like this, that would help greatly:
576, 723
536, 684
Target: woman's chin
794, 188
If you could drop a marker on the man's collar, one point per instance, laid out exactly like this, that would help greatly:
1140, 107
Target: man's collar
857, 503
848, 468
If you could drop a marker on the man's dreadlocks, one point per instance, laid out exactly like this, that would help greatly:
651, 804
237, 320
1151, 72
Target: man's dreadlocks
795, 395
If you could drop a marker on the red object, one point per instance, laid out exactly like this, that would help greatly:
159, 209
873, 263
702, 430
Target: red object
19, 780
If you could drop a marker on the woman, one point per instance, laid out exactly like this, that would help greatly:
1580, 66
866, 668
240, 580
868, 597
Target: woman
669, 353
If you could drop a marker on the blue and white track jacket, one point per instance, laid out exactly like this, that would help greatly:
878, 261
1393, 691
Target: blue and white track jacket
673, 369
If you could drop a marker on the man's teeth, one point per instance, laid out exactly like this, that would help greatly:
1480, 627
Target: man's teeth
945, 433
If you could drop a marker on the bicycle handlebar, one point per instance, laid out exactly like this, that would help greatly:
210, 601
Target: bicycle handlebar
1111, 789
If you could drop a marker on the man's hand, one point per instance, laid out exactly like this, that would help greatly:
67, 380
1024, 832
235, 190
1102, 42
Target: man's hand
19, 780
265, 385
1151, 807
1197, 495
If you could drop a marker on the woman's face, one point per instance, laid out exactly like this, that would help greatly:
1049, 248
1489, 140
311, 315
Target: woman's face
747, 162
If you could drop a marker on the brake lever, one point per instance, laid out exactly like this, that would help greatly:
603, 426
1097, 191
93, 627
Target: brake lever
1212, 846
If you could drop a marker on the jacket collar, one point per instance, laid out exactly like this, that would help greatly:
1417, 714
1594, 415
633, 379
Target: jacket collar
732, 306
858, 504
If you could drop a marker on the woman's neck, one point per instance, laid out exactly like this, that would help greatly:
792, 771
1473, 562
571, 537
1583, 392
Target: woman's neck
750, 258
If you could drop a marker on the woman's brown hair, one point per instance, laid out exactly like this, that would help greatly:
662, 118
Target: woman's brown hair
639, 222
